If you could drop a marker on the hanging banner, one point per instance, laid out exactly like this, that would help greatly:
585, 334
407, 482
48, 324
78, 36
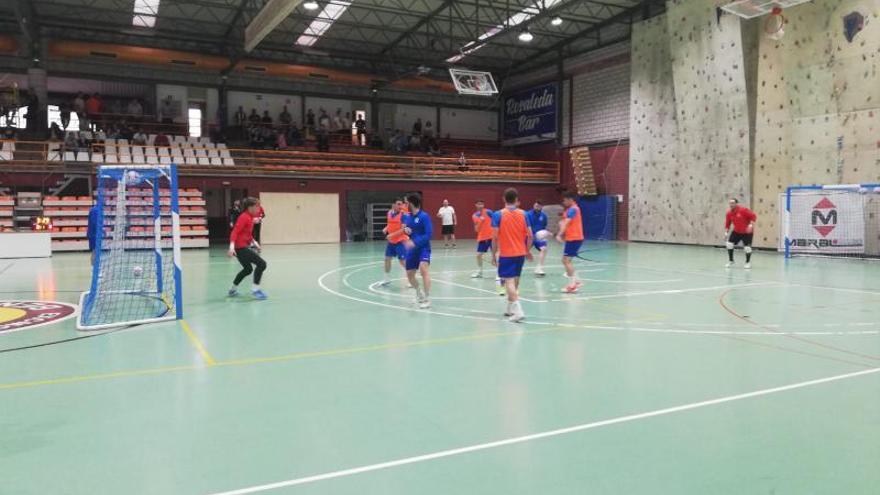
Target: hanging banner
829, 222
530, 115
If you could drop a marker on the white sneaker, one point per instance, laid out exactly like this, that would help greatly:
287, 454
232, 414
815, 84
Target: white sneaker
729, 264
747, 266
425, 304
517, 317
539, 272
477, 275
384, 283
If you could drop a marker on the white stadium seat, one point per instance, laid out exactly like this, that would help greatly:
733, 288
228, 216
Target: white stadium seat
204, 161
82, 156
5, 155
97, 157
163, 151
216, 161
69, 156
228, 161
152, 159
110, 159
191, 160
165, 160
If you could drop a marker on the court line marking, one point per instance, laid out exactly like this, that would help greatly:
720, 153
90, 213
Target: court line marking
198, 344
661, 292
480, 289
542, 435
374, 288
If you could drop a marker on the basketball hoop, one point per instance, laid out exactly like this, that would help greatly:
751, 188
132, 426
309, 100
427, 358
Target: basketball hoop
774, 26
471, 82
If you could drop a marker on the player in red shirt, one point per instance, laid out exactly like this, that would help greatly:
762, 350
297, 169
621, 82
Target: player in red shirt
511, 240
243, 246
742, 220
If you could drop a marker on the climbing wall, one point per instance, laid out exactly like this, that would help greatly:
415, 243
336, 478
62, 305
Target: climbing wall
689, 124
818, 105
653, 134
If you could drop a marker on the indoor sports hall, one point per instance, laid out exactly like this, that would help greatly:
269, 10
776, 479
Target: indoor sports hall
425, 246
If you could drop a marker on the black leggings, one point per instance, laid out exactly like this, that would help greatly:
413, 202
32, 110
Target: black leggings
248, 257
258, 227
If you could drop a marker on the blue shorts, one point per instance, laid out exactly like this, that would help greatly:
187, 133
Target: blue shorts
395, 251
418, 255
572, 248
539, 245
510, 267
484, 246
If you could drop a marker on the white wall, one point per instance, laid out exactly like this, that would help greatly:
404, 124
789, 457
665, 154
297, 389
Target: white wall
468, 124
262, 101
405, 115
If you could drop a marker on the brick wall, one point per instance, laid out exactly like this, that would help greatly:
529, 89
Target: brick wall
600, 103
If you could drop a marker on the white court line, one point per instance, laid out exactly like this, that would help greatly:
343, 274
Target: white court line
373, 288
542, 435
494, 293
659, 292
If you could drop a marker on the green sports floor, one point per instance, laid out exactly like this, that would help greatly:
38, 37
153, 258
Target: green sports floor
667, 374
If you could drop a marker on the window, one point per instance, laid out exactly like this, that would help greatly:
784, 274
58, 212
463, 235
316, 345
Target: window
145, 12
194, 117
55, 116
19, 120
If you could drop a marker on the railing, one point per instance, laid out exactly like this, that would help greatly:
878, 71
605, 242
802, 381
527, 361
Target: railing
34, 156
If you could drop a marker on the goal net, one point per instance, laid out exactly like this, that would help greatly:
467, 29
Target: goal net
136, 275
835, 220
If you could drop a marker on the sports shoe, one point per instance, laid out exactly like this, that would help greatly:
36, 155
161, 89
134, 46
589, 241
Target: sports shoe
477, 275
232, 293
259, 294
517, 317
502, 291
571, 288
729, 264
747, 266
540, 272
384, 283
425, 304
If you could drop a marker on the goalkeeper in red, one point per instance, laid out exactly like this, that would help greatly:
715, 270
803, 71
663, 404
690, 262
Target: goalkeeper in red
246, 249
742, 220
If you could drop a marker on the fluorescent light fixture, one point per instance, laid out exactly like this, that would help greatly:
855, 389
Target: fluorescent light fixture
514, 20
332, 11
556, 21
526, 37
311, 5
145, 12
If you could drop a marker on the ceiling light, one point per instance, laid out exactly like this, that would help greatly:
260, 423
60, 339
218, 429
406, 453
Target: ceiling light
526, 36
311, 5
556, 21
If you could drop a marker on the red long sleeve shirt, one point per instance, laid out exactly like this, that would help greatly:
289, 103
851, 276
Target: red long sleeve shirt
242, 235
740, 217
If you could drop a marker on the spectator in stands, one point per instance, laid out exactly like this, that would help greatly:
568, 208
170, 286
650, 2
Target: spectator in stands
267, 119
168, 110
55, 132
284, 118
269, 137
429, 130
9, 133
415, 141
337, 121
323, 139
256, 137
139, 138
399, 143
254, 118
361, 125
280, 140
113, 109
417, 127
324, 121
94, 108
65, 115
310, 120
79, 106
294, 137
161, 140
462, 162
433, 147
70, 141
135, 110
240, 120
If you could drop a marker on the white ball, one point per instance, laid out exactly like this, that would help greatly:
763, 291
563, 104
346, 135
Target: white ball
542, 235
138, 271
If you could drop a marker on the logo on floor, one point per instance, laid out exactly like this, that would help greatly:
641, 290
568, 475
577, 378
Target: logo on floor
20, 315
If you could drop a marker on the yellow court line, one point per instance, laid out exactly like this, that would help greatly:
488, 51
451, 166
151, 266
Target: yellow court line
290, 357
206, 356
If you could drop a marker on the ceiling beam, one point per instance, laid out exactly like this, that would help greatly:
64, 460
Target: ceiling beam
415, 27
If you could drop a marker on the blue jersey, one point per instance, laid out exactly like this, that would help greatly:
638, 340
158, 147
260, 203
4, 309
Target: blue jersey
422, 230
537, 220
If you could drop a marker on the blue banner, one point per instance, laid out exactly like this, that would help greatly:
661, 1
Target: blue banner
530, 115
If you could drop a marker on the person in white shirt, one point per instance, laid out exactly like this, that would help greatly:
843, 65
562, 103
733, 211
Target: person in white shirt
446, 214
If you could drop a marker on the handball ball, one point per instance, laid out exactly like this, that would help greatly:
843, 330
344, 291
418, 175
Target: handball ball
138, 271
542, 235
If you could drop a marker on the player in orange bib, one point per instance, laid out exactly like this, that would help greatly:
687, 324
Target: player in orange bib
394, 234
511, 240
571, 232
482, 219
